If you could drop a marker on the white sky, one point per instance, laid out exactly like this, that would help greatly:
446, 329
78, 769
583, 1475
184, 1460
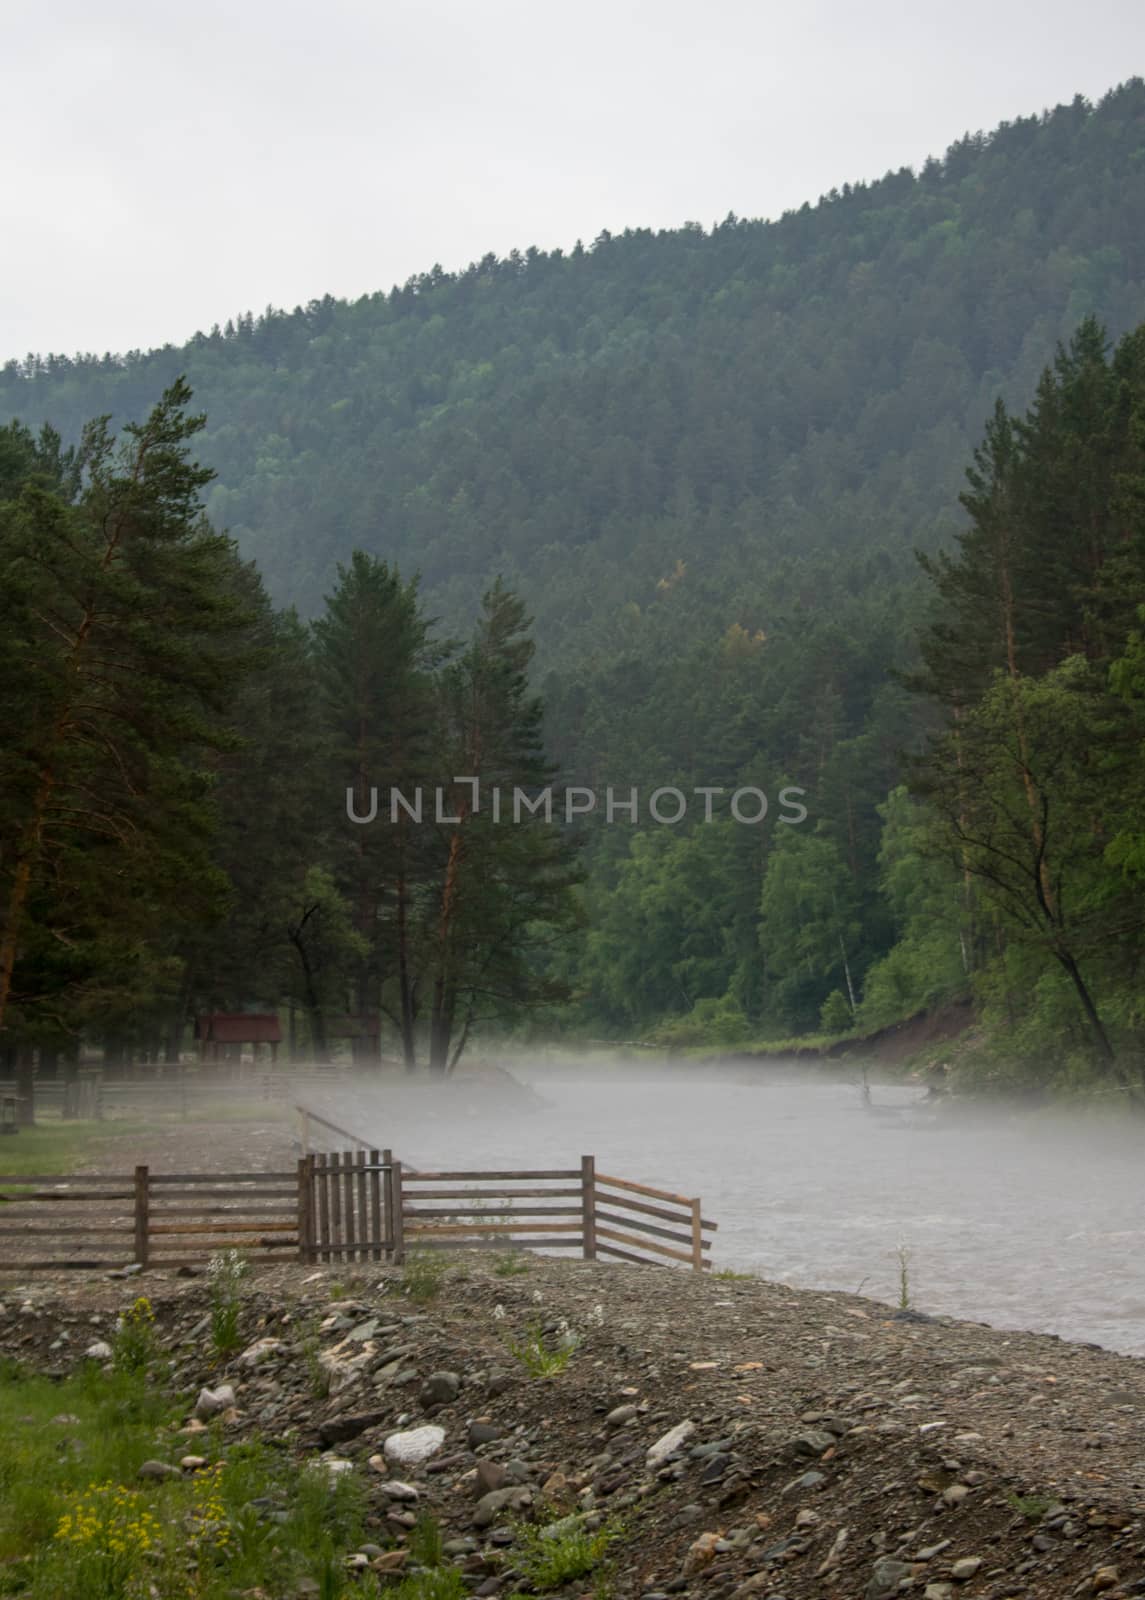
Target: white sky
166, 166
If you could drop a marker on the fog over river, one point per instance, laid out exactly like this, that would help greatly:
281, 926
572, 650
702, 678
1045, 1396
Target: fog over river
1023, 1219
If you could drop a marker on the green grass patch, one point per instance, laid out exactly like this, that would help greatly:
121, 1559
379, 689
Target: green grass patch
551, 1556
423, 1275
50, 1147
512, 1264
77, 1522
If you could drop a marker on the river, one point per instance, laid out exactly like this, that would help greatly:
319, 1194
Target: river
1020, 1219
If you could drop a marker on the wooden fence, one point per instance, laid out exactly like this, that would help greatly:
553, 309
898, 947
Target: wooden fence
341, 1206
90, 1095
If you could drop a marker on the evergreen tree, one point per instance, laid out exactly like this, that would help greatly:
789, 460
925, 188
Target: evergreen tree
125, 642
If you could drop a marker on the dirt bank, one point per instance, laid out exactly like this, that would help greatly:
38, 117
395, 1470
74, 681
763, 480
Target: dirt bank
826, 1445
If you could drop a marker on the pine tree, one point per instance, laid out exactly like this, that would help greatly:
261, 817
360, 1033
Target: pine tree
374, 662
503, 889
125, 640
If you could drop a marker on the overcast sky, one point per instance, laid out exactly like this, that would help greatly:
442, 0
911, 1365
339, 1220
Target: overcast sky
166, 166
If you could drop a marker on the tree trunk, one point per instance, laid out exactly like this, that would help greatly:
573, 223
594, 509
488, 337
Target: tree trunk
1097, 1027
25, 1088
405, 988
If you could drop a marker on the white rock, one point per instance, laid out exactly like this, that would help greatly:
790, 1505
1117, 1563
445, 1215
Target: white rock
99, 1351
212, 1401
415, 1446
261, 1350
671, 1442
393, 1488
337, 1465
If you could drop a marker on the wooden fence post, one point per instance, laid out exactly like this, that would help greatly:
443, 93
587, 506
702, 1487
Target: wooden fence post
396, 1203
373, 1233
388, 1204
697, 1239
305, 1208
588, 1206
142, 1215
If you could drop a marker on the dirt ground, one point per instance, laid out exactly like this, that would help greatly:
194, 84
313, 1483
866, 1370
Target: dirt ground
836, 1448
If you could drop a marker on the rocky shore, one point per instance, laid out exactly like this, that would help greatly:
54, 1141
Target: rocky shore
734, 1437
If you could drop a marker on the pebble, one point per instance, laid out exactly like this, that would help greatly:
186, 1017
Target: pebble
962, 1571
668, 1444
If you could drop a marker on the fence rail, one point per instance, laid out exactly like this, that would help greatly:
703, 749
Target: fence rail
342, 1206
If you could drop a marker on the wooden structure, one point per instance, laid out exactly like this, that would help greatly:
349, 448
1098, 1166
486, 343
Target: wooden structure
346, 1206
215, 1030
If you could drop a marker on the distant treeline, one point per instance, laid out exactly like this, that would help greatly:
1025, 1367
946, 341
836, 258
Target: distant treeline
703, 460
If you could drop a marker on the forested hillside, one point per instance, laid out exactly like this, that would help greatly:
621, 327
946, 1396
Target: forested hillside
705, 460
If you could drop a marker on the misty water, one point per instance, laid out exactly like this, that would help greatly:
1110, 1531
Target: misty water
1025, 1220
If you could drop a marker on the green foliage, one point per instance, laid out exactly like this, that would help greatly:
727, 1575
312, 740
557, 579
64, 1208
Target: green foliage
1031, 1506
835, 1013
226, 1271
75, 1522
550, 1556
809, 921
423, 1274
1032, 784
540, 1356
124, 624
426, 1543
134, 1345
440, 1583
513, 1264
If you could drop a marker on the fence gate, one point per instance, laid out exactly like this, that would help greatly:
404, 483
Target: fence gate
346, 1209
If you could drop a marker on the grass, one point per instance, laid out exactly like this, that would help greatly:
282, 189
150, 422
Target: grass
426, 1545
423, 1275
440, 1583
76, 1522
50, 1147
511, 1265
1033, 1506
318, 1375
730, 1275
548, 1557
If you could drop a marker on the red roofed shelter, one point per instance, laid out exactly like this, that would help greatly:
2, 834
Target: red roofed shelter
214, 1029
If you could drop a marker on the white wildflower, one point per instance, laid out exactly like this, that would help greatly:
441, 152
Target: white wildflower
595, 1318
538, 1297
498, 1313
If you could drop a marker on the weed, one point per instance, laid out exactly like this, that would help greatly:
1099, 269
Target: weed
441, 1583
1033, 1506
423, 1275
337, 1291
426, 1545
133, 1342
903, 1255
732, 1276
317, 1372
227, 1269
511, 1265
554, 1555
539, 1359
